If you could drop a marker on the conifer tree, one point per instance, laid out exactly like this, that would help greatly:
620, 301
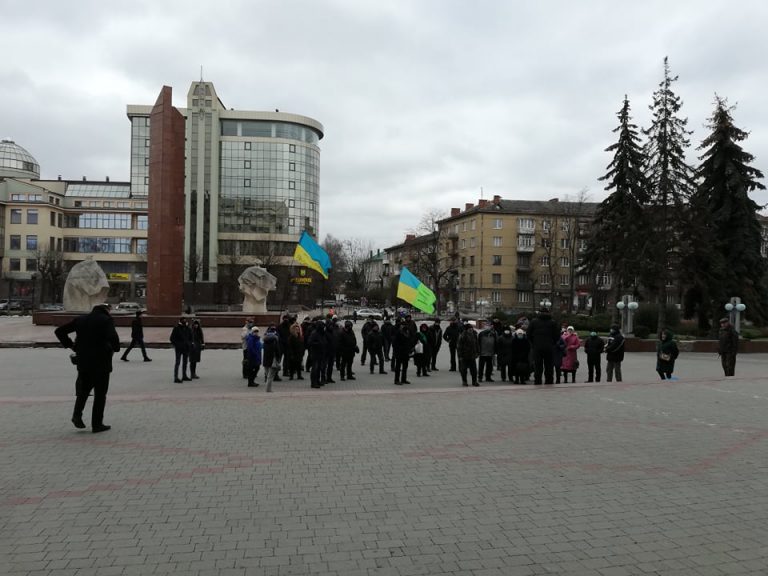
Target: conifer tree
618, 236
722, 199
671, 184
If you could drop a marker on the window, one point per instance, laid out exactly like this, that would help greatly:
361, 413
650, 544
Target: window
564, 279
564, 262
463, 261
565, 243
497, 241
14, 265
546, 242
292, 166
291, 185
496, 260
58, 220
455, 228
146, 161
31, 265
15, 242
603, 280
291, 148
247, 183
495, 278
525, 241
496, 296
53, 219
32, 216
32, 242
525, 223
146, 183
246, 163
565, 225
291, 203
463, 279
582, 245
523, 260
471, 260
18, 197
463, 226
545, 279
142, 222
497, 223
247, 146
523, 297
471, 279
544, 260
546, 225
463, 243
15, 215
471, 242
146, 143
472, 224
141, 246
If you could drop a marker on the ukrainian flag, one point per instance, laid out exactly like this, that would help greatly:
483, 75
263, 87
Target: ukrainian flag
415, 292
309, 253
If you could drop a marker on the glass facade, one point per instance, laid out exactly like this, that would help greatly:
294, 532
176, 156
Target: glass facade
94, 245
279, 191
100, 220
140, 155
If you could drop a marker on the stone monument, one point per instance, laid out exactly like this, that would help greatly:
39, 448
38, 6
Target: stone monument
255, 283
85, 287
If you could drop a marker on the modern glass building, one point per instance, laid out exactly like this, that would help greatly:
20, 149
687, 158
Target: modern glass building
252, 183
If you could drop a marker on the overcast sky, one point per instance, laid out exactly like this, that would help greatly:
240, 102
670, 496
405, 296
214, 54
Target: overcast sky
424, 103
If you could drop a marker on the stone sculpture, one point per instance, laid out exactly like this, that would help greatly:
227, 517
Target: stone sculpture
255, 282
85, 287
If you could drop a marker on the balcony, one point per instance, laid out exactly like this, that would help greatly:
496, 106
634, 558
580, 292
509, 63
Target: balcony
524, 285
525, 248
523, 267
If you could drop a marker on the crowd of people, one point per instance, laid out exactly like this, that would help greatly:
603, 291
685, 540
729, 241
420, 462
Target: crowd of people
324, 347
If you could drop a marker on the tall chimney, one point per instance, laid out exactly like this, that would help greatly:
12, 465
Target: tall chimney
496, 199
468, 206
482, 202
455, 211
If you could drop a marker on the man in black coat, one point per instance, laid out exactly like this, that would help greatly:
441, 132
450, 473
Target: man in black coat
137, 338
375, 343
181, 338
347, 348
436, 340
95, 342
543, 333
451, 335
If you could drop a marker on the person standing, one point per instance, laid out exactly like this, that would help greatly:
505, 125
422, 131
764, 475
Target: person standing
435, 340
181, 338
196, 348
375, 344
347, 350
570, 360
543, 335
421, 355
558, 353
316, 344
467, 350
96, 340
728, 346
332, 331
504, 353
244, 333
253, 356
271, 356
666, 354
614, 354
367, 327
402, 346
593, 346
521, 352
487, 342
137, 338
387, 332
451, 335
294, 355
283, 333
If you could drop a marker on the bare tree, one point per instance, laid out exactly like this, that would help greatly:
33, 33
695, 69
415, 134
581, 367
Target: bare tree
356, 252
339, 271
572, 232
432, 262
50, 265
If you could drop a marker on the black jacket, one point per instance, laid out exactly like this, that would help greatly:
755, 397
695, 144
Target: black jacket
347, 343
614, 350
543, 332
95, 342
137, 329
451, 334
181, 337
594, 346
271, 353
375, 341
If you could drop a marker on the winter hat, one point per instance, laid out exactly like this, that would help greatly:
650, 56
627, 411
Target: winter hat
520, 332
593, 333
254, 330
570, 329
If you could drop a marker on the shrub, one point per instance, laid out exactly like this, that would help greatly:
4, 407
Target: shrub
642, 331
648, 315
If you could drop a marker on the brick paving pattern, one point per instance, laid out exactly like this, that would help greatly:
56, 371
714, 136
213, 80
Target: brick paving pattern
364, 478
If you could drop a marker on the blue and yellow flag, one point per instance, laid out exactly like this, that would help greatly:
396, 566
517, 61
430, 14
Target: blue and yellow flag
415, 292
309, 253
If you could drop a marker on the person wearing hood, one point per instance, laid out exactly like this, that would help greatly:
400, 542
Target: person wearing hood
181, 339
570, 360
271, 356
316, 345
614, 354
666, 354
543, 334
593, 346
486, 340
520, 370
253, 348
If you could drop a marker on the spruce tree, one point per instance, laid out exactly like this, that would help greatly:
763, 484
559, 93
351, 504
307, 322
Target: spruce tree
671, 184
726, 179
618, 236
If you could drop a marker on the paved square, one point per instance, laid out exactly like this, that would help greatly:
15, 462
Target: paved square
210, 477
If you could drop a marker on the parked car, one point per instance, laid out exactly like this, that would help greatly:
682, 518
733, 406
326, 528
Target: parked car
51, 307
17, 304
369, 313
128, 307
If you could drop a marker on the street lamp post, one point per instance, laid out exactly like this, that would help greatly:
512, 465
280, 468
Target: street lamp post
627, 307
734, 309
546, 303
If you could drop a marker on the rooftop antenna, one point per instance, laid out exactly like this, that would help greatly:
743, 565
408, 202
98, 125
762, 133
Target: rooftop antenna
201, 72
481, 192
